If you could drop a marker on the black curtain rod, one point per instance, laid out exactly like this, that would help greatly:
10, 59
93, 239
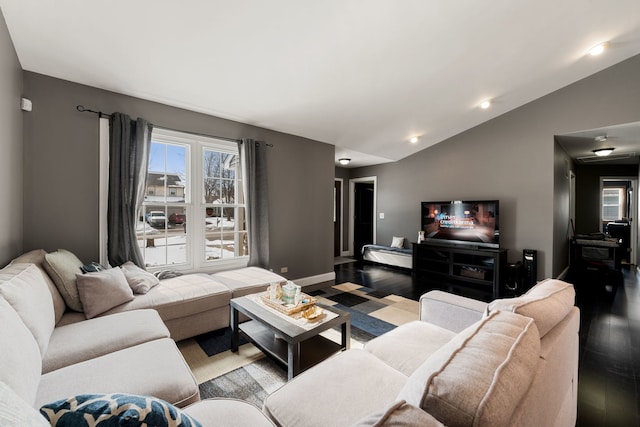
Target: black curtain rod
82, 109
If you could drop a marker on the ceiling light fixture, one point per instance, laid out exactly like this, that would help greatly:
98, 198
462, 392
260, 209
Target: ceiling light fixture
485, 104
597, 49
601, 152
344, 161
414, 139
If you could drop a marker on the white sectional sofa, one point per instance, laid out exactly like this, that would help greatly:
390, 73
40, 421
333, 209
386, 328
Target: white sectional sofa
50, 352
513, 362
189, 305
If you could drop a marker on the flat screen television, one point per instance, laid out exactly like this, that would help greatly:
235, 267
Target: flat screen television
471, 223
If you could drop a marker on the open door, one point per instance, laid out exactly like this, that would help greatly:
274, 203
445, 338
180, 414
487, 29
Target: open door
618, 211
362, 213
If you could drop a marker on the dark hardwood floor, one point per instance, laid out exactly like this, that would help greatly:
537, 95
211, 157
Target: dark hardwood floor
609, 371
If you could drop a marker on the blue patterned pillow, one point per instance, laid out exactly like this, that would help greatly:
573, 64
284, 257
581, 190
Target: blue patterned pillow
118, 409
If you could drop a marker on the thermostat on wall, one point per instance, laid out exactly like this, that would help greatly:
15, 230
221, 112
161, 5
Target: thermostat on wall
25, 104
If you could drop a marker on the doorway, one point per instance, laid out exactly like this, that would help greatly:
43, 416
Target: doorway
362, 211
618, 210
337, 217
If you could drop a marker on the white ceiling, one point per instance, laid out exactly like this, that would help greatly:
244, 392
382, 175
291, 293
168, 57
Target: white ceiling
364, 75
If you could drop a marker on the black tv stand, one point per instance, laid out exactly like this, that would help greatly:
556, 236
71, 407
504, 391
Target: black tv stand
471, 266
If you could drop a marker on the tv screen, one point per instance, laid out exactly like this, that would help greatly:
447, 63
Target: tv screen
473, 223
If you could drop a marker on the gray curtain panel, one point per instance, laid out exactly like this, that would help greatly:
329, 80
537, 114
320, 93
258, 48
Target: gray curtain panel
253, 160
129, 145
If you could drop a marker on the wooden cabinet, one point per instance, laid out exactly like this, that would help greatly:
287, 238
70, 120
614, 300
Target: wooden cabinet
484, 268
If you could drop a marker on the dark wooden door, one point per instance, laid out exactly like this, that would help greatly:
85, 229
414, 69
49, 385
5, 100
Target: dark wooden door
362, 217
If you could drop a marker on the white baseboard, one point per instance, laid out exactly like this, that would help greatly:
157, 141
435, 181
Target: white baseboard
346, 253
312, 280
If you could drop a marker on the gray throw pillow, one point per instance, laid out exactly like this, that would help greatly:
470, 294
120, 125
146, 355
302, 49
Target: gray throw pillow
139, 280
103, 290
62, 266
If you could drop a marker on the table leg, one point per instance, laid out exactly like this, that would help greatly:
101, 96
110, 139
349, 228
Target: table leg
293, 360
346, 335
235, 331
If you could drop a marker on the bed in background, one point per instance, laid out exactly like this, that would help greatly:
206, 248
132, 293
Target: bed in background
395, 255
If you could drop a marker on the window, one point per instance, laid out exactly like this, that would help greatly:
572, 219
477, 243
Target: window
193, 215
613, 203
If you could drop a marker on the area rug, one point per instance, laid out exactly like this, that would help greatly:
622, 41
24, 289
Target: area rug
250, 375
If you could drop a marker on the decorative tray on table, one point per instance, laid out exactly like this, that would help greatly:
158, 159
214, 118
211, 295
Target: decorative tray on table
306, 302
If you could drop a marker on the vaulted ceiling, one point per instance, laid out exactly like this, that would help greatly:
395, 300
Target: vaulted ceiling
363, 75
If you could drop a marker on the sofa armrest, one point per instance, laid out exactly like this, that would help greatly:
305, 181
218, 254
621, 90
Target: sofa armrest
450, 311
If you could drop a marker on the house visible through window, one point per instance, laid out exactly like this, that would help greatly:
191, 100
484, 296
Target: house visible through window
193, 215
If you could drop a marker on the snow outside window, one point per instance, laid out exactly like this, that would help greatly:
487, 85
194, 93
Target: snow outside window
193, 215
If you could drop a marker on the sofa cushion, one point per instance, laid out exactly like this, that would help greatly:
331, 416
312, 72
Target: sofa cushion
20, 359
139, 280
96, 337
333, 393
62, 266
247, 280
480, 375
180, 297
548, 302
406, 347
29, 295
153, 368
230, 412
14, 411
102, 290
36, 257
117, 409
399, 414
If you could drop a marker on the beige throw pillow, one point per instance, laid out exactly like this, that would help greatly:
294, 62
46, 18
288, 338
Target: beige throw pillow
139, 280
62, 267
397, 242
547, 303
103, 290
36, 257
481, 375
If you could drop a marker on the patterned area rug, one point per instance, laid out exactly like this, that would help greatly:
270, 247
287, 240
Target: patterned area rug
250, 375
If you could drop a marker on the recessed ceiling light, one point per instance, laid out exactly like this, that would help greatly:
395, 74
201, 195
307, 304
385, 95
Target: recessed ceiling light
597, 49
414, 139
344, 161
603, 151
485, 104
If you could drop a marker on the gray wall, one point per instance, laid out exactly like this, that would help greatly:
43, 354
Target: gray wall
61, 174
510, 158
11, 148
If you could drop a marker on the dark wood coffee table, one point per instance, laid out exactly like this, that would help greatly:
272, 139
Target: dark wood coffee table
289, 344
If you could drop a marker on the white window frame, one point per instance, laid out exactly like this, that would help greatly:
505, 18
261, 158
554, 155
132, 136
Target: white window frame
194, 198
620, 205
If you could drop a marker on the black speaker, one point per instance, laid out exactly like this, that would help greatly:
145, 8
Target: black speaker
512, 286
530, 267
